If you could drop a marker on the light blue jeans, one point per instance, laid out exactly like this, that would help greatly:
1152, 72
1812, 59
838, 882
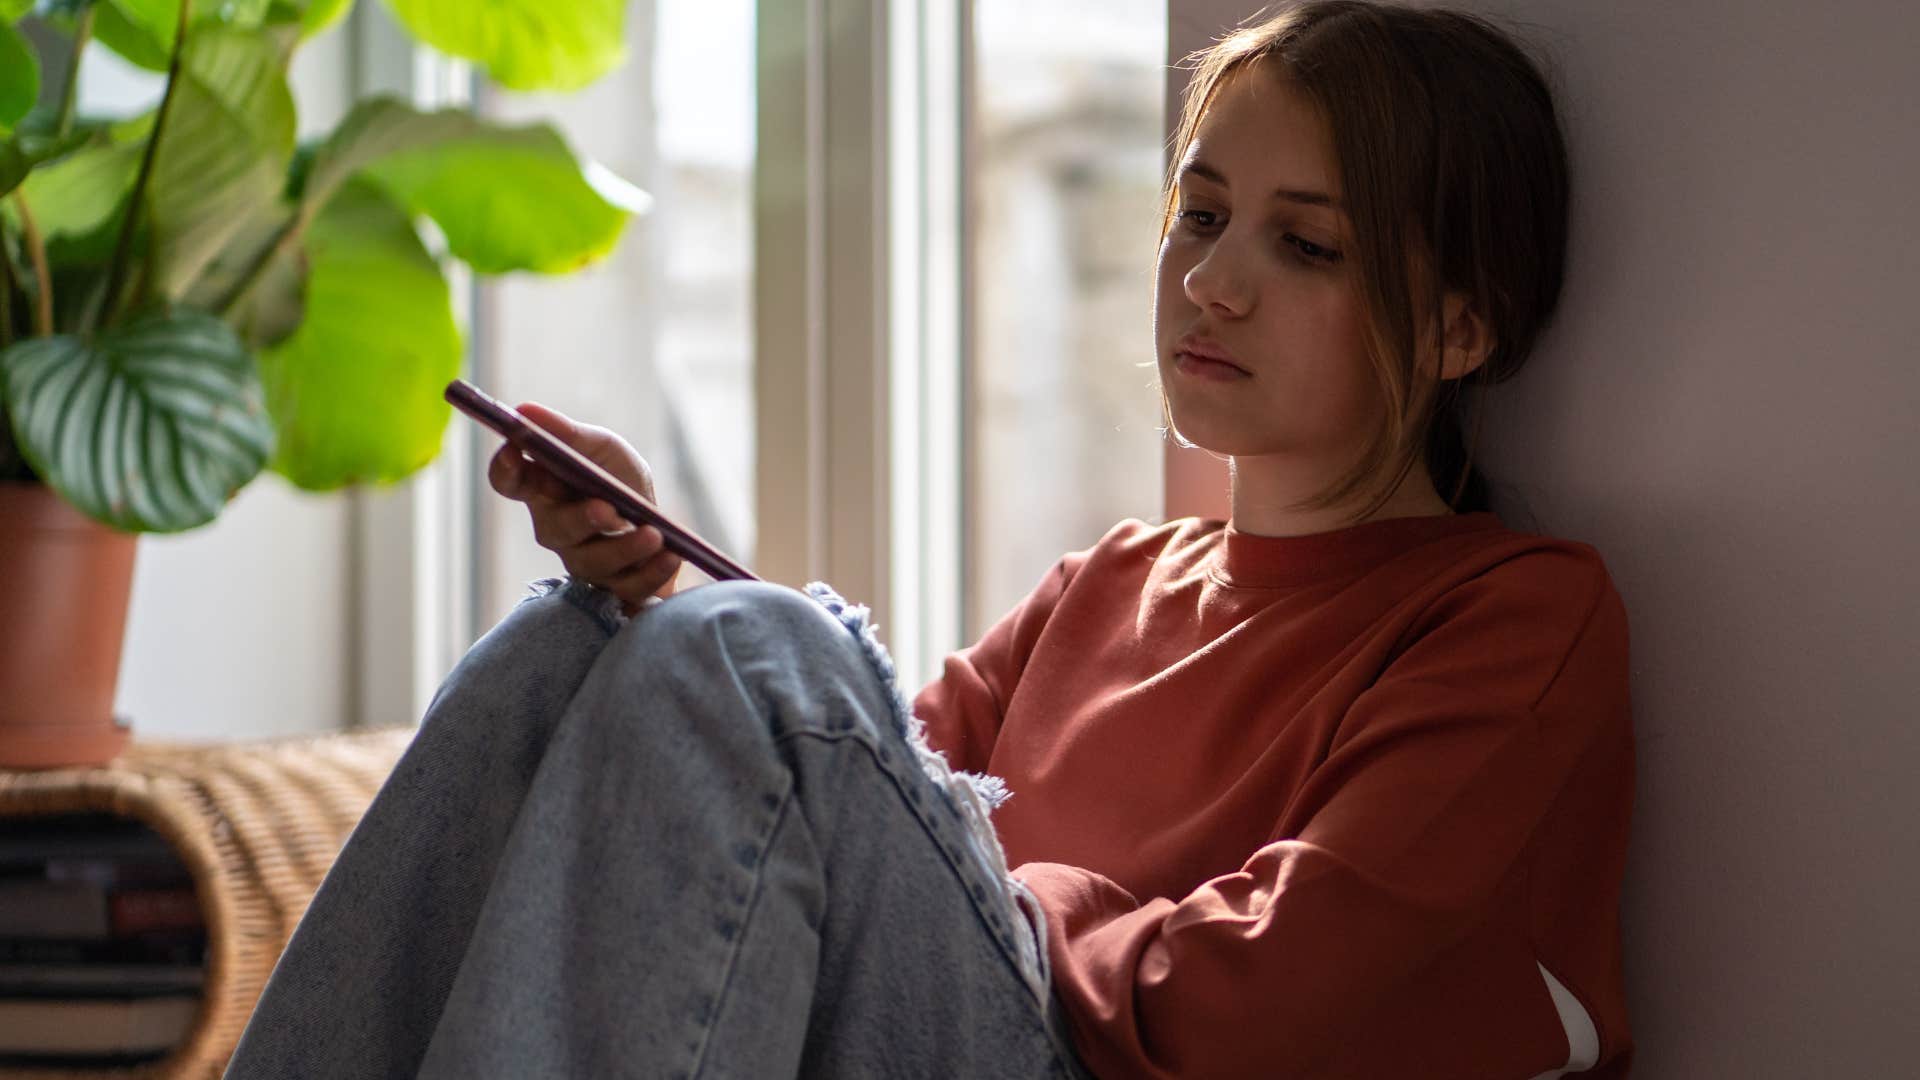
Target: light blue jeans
704, 841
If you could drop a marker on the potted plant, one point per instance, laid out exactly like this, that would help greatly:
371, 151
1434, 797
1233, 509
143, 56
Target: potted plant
187, 297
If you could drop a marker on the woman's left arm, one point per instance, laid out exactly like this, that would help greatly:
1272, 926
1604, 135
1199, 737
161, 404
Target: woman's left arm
1442, 773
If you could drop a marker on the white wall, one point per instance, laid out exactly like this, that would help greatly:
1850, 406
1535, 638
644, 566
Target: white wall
1727, 408
1728, 411
242, 628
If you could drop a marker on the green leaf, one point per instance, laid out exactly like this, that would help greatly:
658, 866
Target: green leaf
82, 191
142, 31
224, 152
11, 10
539, 208
15, 164
24, 151
160, 19
376, 128
507, 198
273, 306
135, 43
356, 391
524, 44
148, 427
19, 77
318, 15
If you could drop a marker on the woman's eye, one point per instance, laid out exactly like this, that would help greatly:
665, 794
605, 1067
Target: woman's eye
1311, 251
1196, 220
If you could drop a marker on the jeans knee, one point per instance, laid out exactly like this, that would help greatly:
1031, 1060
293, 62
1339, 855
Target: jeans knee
700, 611
747, 608
780, 644
744, 617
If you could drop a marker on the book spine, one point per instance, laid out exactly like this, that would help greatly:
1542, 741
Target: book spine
143, 911
170, 947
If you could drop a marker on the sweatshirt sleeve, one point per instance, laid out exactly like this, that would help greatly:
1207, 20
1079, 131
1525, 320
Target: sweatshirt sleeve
962, 708
1439, 774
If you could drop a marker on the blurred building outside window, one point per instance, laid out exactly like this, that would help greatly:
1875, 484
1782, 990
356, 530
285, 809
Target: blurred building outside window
1063, 419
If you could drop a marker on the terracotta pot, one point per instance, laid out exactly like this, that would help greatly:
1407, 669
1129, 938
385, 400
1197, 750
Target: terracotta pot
64, 584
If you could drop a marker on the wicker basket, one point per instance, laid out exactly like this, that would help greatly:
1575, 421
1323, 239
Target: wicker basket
257, 824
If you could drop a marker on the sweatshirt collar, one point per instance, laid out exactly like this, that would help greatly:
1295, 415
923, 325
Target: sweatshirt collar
1267, 562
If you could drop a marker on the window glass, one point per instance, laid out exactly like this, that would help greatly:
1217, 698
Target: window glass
1063, 416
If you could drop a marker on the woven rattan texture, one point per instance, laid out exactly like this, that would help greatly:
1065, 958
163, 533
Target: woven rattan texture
258, 824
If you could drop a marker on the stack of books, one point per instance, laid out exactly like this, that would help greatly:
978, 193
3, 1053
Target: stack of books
102, 943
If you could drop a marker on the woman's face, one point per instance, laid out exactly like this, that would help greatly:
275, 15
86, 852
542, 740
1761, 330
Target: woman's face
1257, 318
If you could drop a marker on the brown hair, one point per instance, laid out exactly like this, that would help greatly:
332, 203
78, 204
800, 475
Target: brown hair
1449, 153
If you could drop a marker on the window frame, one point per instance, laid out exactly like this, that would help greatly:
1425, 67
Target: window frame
411, 547
860, 191
858, 169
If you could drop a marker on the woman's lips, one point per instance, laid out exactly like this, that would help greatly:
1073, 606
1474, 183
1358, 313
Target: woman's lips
1204, 367
1204, 358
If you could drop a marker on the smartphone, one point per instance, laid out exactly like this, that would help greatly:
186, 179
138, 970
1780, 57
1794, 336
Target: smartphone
588, 479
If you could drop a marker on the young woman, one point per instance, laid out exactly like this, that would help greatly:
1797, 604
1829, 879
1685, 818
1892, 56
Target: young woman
1337, 787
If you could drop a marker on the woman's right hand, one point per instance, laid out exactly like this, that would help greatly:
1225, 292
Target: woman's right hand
594, 543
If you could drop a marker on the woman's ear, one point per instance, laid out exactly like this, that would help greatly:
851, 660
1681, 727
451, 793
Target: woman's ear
1468, 341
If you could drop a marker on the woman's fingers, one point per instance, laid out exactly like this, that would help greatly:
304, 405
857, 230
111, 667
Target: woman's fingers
602, 447
646, 579
632, 566
602, 559
594, 543
504, 472
561, 526
586, 438
512, 475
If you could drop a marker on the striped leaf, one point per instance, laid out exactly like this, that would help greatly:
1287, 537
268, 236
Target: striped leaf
148, 427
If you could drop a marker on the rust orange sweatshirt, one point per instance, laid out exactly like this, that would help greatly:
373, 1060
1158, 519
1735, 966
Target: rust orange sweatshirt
1352, 804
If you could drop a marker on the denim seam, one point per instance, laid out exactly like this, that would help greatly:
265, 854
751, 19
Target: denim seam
973, 796
967, 870
734, 946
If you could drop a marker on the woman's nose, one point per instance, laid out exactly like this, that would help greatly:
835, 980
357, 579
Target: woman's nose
1219, 281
